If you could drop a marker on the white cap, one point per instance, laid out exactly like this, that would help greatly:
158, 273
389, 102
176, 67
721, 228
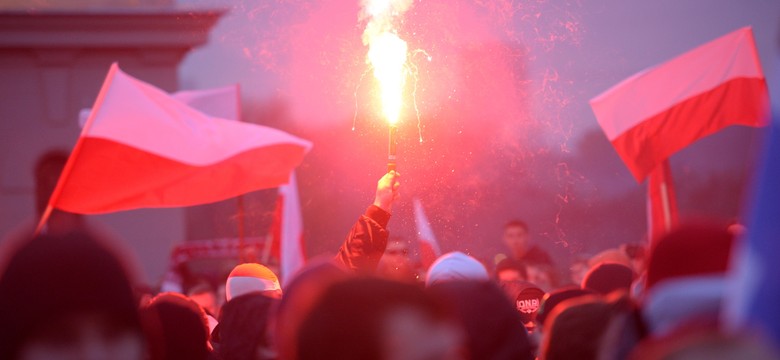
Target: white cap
455, 266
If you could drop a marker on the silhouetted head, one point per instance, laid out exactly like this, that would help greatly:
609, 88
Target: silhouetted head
377, 319
605, 278
510, 270
301, 294
493, 325
63, 296
243, 332
176, 328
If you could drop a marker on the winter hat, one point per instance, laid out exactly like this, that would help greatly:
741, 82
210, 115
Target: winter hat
690, 250
250, 277
614, 256
556, 297
605, 278
455, 266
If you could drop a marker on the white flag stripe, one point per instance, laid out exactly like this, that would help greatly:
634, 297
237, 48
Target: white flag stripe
218, 102
291, 234
424, 230
655, 90
166, 127
222, 102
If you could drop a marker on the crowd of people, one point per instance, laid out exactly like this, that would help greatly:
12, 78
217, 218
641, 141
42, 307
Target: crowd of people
67, 295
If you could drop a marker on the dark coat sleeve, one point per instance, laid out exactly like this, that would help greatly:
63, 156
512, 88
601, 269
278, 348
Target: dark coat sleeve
366, 242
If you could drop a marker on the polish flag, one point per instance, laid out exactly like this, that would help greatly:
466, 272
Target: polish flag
141, 147
429, 248
653, 114
289, 230
223, 102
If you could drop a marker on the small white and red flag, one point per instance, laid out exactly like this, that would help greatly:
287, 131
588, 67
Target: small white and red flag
288, 230
429, 247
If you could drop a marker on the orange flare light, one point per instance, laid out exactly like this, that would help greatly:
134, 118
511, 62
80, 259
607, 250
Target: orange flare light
387, 54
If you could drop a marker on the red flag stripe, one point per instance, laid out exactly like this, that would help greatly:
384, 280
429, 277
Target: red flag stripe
695, 72
110, 176
742, 101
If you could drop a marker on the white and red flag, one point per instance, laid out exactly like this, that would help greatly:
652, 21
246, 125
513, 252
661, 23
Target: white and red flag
222, 102
429, 247
141, 147
288, 230
661, 110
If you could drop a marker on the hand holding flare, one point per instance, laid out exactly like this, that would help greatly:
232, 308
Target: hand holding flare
387, 190
387, 54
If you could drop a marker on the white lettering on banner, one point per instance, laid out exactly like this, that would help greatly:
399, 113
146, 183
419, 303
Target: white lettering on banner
528, 306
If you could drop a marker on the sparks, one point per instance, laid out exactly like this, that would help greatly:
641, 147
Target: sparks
387, 52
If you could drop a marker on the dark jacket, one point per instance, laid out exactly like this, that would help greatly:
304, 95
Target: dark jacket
366, 242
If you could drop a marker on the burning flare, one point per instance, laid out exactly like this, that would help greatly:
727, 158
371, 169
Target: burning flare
387, 53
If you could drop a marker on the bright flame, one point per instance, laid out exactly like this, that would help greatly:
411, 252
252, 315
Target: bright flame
387, 54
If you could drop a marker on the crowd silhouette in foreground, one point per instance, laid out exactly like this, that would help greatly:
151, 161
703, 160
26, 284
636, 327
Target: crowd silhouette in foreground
66, 294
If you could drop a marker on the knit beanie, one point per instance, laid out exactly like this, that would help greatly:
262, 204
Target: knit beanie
690, 250
551, 300
605, 278
455, 266
250, 277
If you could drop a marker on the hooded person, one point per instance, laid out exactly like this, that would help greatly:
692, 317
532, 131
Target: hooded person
68, 297
244, 328
455, 266
686, 278
494, 328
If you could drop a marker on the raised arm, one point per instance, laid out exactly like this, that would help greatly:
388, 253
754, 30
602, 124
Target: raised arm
367, 239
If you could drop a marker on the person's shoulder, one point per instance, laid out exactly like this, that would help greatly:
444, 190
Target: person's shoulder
537, 255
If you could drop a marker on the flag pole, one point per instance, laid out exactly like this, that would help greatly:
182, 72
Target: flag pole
241, 238
662, 214
43, 219
240, 198
76, 150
